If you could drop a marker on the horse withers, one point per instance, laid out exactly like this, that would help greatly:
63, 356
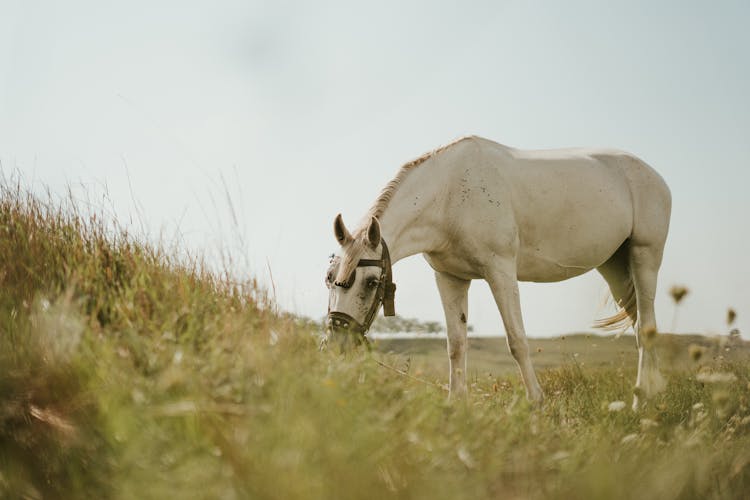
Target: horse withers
476, 209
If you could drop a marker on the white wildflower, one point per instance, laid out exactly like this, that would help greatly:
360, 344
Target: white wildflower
273, 338
560, 455
616, 405
629, 438
466, 458
647, 423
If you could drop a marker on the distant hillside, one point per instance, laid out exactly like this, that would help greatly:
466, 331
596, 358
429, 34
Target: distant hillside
490, 355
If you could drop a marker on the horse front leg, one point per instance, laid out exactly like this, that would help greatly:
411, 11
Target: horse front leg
454, 293
504, 285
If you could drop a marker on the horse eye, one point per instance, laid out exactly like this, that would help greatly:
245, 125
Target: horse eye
372, 283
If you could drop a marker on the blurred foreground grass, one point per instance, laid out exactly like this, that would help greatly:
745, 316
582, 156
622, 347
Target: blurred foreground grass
129, 373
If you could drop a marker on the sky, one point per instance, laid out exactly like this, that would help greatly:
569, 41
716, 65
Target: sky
242, 128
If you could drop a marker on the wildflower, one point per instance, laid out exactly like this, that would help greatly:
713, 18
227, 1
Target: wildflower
273, 338
678, 292
731, 316
696, 351
616, 406
700, 416
629, 438
647, 423
466, 458
648, 335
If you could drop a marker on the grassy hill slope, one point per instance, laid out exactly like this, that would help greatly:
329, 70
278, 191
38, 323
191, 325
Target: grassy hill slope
129, 373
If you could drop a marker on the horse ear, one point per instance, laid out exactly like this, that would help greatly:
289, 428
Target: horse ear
339, 229
373, 232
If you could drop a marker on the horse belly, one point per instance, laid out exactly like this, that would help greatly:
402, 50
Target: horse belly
566, 232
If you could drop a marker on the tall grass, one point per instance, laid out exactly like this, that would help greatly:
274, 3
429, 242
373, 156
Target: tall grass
129, 373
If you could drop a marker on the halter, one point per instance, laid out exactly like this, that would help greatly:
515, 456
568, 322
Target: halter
385, 294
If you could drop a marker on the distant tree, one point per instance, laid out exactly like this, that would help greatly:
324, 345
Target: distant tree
395, 324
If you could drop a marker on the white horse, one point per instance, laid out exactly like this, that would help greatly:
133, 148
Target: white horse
479, 210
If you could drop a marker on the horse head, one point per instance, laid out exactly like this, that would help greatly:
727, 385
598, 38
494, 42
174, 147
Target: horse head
359, 280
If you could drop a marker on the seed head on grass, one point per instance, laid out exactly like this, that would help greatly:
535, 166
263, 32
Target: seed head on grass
678, 292
649, 336
731, 316
696, 351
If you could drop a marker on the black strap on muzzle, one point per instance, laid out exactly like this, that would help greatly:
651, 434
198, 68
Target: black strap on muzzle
385, 294
350, 325
342, 320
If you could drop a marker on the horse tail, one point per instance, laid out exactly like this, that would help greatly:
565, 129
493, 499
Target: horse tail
617, 273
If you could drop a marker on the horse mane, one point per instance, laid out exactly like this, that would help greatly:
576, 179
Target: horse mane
382, 201
357, 246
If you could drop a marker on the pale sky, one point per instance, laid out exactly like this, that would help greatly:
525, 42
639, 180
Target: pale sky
301, 110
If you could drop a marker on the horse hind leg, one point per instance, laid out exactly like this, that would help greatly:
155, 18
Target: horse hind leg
616, 272
645, 261
631, 275
652, 204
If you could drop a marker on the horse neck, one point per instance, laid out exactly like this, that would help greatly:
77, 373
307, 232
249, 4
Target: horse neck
411, 224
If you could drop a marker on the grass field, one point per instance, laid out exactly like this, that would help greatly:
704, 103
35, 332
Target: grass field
130, 373
490, 356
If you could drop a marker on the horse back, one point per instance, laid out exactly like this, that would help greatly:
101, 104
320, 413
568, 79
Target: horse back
565, 211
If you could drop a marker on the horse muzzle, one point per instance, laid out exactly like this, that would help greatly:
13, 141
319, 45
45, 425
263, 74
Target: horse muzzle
344, 331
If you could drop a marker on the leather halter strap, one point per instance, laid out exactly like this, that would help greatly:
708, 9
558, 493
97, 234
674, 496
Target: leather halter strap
386, 291
385, 294
387, 288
